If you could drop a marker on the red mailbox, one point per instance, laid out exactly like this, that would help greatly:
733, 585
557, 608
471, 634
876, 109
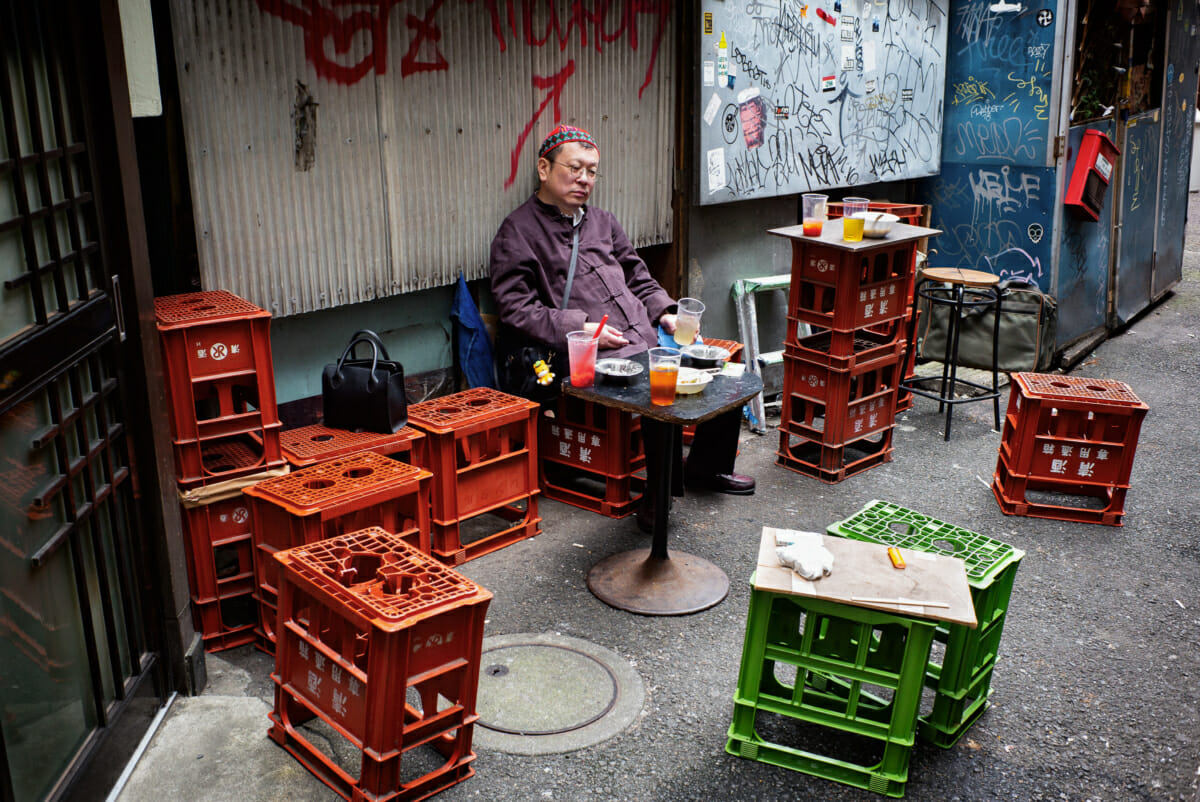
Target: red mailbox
1092, 174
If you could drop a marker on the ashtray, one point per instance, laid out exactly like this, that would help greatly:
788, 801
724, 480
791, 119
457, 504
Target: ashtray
691, 381
877, 225
705, 356
618, 371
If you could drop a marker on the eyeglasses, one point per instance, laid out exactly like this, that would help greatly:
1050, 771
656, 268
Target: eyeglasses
577, 170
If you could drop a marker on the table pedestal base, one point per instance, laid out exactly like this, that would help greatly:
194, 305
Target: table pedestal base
638, 583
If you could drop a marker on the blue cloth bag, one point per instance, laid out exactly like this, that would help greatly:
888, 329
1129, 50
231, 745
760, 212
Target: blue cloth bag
471, 339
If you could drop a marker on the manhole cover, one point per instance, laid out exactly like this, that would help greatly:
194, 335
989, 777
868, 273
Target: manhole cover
541, 694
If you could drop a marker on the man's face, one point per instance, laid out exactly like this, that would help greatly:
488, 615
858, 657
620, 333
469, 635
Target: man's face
559, 187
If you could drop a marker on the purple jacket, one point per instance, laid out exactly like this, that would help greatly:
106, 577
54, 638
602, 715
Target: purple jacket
530, 256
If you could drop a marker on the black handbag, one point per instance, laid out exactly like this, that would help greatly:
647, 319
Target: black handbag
365, 394
1028, 326
520, 372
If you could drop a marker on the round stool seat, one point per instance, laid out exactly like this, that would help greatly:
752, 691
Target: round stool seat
958, 275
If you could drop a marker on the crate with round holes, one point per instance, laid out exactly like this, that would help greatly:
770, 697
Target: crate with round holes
377, 655
1071, 428
199, 463
968, 656
481, 446
217, 363
308, 445
330, 498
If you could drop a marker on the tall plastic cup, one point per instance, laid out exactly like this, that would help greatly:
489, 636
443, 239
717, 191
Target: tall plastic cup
664, 370
813, 213
852, 225
687, 320
581, 352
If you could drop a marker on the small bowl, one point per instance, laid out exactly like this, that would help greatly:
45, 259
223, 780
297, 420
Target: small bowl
877, 225
705, 356
618, 371
691, 381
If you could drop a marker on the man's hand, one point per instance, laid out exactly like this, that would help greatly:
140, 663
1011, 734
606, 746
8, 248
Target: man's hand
609, 338
667, 321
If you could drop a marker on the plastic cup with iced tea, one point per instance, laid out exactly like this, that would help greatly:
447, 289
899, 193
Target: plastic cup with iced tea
813, 213
581, 352
664, 370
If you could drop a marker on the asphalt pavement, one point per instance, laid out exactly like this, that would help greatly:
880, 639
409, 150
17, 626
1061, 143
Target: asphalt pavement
1096, 692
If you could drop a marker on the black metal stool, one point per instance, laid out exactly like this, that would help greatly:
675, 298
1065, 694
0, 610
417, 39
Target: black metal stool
967, 289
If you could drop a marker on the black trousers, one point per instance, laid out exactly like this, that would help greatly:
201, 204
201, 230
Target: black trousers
714, 449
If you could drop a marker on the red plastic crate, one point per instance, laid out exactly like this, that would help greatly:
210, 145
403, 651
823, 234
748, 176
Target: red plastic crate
588, 455
309, 445
369, 626
846, 290
202, 462
219, 545
834, 406
1071, 428
456, 542
904, 398
481, 445
735, 355
913, 214
833, 463
226, 623
1060, 500
212, 343
328, 499
846, 350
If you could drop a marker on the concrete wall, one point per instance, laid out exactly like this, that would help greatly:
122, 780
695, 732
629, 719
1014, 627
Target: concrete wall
730, 241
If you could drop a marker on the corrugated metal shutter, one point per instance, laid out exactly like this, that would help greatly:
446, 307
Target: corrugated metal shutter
416, 155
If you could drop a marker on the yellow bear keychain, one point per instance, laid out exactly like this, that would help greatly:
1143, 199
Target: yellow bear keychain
542, 371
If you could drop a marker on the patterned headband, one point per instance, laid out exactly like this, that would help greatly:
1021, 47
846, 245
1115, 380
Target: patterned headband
564, 134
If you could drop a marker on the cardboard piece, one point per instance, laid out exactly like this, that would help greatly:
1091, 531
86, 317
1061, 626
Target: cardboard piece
931, 586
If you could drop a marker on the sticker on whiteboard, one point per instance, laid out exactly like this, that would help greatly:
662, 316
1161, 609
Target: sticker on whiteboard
1045, 18
868, 49
1035, 233
848, 20
1103, 166
848, 60
825, 15
870, 85
708, 29
716, 170
710, 111
847, 34
906, 94
709, 72
781, 112
829, 83
752, 109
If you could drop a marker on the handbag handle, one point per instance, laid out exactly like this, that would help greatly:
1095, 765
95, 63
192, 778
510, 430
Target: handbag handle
363, 336
366, 335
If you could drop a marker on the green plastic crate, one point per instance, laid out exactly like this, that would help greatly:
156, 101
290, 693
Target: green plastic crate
843, 657
970, 654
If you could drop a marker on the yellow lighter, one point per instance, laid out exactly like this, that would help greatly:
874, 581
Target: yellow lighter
894, 556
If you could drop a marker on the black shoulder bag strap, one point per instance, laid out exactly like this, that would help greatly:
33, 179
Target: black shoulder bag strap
571, 269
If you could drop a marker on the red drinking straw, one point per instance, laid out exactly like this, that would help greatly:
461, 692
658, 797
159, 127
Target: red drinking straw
600, 328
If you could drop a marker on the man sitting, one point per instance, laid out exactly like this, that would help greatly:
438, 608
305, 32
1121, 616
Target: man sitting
530, 262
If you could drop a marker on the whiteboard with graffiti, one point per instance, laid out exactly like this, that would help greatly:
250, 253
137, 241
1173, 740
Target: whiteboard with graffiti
800, 95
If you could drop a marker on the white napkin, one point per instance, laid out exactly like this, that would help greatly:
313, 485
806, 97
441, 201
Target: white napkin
805, 554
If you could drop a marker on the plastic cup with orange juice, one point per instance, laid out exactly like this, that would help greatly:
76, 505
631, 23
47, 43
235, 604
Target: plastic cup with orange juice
664, 370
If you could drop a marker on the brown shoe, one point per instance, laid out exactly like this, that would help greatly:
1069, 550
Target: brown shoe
735, 484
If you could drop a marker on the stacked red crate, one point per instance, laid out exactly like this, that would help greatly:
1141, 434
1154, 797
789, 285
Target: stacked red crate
1067, 448
328, 499
840, 382
913, 214
481, 445
308, 445
220, 388
591, 456
381, 645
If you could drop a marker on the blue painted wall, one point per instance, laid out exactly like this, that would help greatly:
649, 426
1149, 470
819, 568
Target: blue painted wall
1083, 265
995, 197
